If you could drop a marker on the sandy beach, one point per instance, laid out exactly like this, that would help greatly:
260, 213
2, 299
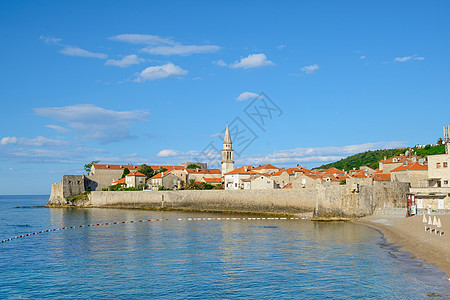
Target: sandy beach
409, 233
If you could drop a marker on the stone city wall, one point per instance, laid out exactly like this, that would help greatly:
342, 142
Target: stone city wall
328, 201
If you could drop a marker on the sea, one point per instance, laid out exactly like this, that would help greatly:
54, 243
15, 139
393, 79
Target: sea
191, 255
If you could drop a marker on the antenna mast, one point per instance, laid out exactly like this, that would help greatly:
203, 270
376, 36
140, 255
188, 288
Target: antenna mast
446, 133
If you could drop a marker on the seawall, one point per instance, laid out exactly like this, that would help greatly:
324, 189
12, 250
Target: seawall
332, 201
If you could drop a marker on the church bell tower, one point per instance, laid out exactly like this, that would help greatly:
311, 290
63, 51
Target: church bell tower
227, 153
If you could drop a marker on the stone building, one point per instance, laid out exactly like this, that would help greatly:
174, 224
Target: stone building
266, 169
388, 164
198, 174
263, 182
436, 195
439, 169
233, 179
416, 173
134, 179
164, 179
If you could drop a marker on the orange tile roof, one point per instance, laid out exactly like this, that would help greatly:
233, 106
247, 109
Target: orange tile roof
204, 171
134, 167
122, 180
391, 160
415, 166
157, 167
334, 171
161, 174
382, 177
136, 174
266, 166
115, 167
360, 175
278, 173
241, 170
212, 180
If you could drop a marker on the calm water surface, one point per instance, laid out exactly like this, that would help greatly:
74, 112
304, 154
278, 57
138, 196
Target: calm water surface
199, 259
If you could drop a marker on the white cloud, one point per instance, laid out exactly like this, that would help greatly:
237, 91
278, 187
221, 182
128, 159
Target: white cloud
281, 46
216, 134
247, 95
179, 49
362, 57
127, 61
57, 128
142, 39
38, 141
50, 40
310, 69
408, 58
74, 51
95, 123
10, 169
168, 152
158, 72
220, 63
251, 61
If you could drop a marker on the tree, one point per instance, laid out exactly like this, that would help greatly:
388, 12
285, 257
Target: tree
126, 171
146, 170
87, 167
440, 141
193, 166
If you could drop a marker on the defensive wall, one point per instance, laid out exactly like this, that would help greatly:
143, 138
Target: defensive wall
328, 201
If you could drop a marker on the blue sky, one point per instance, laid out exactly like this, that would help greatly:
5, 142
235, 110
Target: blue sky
156, 81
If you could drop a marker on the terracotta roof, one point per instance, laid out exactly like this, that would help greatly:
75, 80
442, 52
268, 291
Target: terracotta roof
411, 167
212, 180
122, 180
241, 170
382, 177
266, 166
288, 186
204, 171
157, 167
116, 167
334, 171
135, 167
278, 173
136, 174
314, 176
161, 174
360, 175
391, 160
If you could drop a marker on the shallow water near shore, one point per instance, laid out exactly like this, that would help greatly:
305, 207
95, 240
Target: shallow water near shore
199, 259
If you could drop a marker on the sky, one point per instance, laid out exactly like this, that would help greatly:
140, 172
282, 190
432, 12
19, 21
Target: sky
156, 82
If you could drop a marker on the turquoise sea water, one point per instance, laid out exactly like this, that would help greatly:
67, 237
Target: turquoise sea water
199, 259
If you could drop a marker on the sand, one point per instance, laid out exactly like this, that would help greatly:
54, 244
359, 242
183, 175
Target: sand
409, 233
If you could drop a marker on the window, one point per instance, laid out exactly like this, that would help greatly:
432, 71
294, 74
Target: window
438, 165
445, 182
445, 164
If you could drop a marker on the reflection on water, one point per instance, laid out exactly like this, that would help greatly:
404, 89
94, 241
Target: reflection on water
202, 259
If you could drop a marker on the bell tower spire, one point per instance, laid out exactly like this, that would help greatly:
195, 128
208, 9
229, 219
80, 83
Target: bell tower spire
227, 153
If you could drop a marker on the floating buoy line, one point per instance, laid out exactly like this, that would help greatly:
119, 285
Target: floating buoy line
138, 221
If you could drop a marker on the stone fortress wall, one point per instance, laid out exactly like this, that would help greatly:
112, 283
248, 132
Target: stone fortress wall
327, 201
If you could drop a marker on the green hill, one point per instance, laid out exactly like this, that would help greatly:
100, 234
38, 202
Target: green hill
371, 158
